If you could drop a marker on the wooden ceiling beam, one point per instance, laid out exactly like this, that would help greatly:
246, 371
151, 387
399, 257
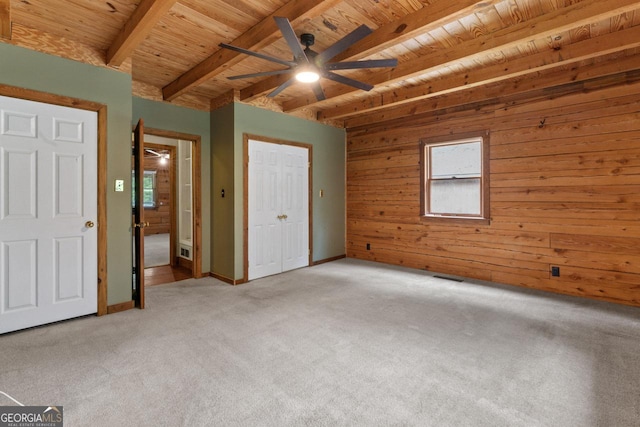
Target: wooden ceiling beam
580, 51
548, 25
260, 35
137, 28
5, 19
546, 83
430, 17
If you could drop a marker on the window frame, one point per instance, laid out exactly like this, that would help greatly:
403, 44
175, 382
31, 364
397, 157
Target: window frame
154, 188
426, 144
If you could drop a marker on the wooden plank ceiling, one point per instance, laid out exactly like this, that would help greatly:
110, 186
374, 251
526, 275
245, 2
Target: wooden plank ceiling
449, 52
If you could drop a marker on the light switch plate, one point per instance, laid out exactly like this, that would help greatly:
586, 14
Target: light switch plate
119, 185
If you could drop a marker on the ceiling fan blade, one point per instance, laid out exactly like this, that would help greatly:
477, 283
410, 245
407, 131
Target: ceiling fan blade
317, 90
341, 45
346, 81
290, 37
262, 74
258, 55
282, 87
371, 63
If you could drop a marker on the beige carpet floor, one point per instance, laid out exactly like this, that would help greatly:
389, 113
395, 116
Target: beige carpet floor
347, 343
156, 250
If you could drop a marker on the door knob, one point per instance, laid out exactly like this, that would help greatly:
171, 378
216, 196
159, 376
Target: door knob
141, 224
89, 224
285, 216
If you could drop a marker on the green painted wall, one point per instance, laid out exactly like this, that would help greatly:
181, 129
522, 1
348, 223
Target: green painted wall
222, 165
160, 115
221, 160
37, 71
328, 174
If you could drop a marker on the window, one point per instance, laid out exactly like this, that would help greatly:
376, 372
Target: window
148, 189
455, 173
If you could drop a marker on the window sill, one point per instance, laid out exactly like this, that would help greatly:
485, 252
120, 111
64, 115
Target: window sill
455, 220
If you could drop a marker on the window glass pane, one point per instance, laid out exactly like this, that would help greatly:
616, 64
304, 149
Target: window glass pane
149, 197
457, 160
149, 189
148, 180
455, 196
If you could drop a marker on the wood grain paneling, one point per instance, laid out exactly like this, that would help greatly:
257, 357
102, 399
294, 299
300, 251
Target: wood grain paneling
5, 19
565, 191
139, 25
159, 217
477, 49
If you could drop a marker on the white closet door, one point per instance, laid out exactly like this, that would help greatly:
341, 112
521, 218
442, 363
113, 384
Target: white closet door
278, 208
265, 228
48, 209
295, 205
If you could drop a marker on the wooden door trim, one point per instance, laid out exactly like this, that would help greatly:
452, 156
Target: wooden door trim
245, 199
101, 110
196, 173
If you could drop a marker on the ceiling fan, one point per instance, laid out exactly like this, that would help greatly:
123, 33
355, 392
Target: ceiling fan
308, 66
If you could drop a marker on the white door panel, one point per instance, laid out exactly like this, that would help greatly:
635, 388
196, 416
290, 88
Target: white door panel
68, 265
48, 191
18, 184
264, 227
19, 275
278, 208
296, 207
68, 183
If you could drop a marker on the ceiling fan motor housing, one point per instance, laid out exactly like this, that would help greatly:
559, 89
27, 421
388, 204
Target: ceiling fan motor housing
319, 63
307, 39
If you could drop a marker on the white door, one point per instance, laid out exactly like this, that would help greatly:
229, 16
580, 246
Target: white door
48, 209
278, 208
295, 207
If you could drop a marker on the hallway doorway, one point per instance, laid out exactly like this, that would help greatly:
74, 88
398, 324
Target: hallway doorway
172, 212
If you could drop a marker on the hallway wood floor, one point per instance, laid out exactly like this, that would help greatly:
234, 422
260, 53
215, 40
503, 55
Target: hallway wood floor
165, 274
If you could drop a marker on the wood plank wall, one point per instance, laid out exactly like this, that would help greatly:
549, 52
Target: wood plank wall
159, 218
565, 191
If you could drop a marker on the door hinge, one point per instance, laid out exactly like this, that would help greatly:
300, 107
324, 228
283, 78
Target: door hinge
309, 252
308, 164
133, 270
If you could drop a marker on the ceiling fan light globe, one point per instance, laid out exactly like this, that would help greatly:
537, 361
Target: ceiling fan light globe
307, 76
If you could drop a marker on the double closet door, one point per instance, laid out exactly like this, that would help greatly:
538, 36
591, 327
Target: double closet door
278, 208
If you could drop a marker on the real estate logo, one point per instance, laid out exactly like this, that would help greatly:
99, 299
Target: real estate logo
31, 416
